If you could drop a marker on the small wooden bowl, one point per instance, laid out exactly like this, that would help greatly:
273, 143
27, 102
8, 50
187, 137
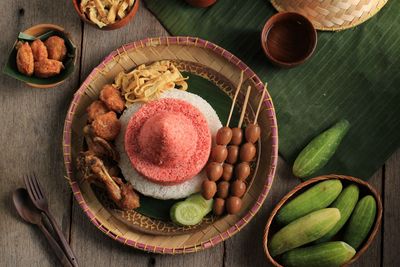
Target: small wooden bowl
118, 24
201, 3
365, 188
288, 39
69, 63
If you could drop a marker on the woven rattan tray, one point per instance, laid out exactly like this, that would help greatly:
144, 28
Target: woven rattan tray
190, 51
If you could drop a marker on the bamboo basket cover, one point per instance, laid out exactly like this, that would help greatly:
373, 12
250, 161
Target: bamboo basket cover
198, 52
332, 15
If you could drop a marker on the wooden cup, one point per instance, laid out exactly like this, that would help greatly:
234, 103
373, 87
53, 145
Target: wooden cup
288, 39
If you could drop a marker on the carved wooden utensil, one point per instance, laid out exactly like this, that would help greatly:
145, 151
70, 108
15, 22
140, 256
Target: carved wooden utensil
31, 214
38, 198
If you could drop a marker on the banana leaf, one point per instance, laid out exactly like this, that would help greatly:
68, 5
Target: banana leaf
353, 75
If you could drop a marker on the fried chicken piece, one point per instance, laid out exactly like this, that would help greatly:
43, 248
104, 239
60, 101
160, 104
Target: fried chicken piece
129, 199
25, 63
56, 48
99, 146
95, 109
112, 98
48, 68
39, 50
106, 126
120, 193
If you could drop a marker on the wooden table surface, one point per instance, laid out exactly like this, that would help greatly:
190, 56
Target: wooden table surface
31, 132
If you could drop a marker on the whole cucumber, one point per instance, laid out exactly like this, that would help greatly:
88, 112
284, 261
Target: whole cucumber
345, 202
317, 197
360, 222
319, 151
303, 230
330, 254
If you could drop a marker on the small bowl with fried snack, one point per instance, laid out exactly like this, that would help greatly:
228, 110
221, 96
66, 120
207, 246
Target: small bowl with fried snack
43, 56
106, 16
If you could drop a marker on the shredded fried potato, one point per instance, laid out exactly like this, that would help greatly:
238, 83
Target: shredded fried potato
147, 83
105, 12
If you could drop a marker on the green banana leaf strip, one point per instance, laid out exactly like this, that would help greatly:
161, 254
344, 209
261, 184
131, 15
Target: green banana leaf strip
353, 74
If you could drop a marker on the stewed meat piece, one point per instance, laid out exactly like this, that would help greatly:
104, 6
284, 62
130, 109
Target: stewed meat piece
106, 126
112, 98
95, 109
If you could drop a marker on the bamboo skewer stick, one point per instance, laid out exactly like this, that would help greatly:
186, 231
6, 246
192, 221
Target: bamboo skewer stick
234, 98
260, 103
246, 101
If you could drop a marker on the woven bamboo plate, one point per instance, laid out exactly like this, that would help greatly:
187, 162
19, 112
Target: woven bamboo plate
365, 188
197, 52
332, 15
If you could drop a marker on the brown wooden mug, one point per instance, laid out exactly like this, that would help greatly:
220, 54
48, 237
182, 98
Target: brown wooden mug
288, 39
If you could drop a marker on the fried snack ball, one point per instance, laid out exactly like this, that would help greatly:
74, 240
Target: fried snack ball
39, 50
25, 63
112, 98
95, 109
56, 48
48, 68
106, 126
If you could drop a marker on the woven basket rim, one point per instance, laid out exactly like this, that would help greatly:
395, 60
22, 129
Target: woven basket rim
270, 110
381, 4
317, 179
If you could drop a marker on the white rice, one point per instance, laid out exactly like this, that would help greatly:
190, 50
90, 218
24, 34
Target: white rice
147, 187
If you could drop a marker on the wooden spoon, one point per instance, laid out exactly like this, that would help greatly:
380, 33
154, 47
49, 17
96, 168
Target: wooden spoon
31, 214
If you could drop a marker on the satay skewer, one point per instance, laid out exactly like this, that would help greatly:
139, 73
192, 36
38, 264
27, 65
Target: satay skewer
246, 101
260, 103
234, 99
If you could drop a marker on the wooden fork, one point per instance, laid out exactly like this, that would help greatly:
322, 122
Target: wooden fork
39, 199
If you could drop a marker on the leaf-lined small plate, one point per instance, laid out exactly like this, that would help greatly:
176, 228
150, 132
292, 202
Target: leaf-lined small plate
42, 32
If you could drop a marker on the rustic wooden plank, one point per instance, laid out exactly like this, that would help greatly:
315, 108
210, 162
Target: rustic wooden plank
31, 134
89, 243
391, 211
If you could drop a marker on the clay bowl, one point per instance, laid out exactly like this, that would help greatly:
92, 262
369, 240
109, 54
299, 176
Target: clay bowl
43, 31
288, 39
365, 188
201, 3
120, 23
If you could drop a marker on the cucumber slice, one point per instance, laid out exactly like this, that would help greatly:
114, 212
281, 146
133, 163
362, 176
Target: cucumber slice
186, 213
204, 204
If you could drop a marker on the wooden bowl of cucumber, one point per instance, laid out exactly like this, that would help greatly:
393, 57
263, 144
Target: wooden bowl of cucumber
329, 220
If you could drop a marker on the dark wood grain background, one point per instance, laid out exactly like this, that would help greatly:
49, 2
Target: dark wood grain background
30, 137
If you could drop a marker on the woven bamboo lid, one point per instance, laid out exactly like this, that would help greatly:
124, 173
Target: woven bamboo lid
332, 15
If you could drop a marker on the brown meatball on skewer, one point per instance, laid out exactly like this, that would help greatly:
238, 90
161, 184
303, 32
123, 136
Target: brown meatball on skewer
112, 98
